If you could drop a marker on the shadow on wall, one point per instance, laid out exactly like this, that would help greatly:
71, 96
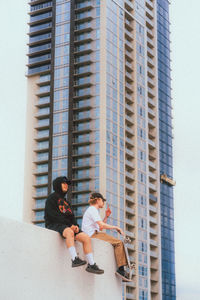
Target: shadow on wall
35, 265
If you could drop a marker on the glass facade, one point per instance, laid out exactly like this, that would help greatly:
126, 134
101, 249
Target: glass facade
165, 125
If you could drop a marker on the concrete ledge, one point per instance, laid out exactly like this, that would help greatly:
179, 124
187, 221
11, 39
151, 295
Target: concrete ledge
35, 265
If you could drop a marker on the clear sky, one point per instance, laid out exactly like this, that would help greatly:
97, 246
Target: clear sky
185, 37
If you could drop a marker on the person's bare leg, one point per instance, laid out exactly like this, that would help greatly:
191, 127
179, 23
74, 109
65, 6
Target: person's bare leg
68, 234
86, 241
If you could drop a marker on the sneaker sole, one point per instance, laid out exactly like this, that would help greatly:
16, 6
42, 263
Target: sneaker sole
123, 277
94, 272
78, 265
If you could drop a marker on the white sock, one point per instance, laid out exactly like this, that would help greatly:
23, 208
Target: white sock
72, 252
90, 258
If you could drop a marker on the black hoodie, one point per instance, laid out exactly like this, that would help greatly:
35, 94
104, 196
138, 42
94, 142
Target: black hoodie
57, 209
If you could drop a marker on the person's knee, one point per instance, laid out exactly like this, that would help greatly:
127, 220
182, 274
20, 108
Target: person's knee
68, 233
84, 238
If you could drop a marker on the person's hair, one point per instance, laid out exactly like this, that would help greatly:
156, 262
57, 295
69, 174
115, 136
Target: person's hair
92, 200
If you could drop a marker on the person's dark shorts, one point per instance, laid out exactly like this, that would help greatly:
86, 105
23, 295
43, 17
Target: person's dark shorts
60, 228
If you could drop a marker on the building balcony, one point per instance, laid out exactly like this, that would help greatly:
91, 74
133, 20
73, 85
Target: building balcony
152, 198
151, 123
129, 199
41, 160
151, 113
130, 211
153, 243
129, 142
82, 82
151, 103
41, 136
129, 187
83, 6
129, 152
39, 39
154, 289
39, 49
82, 38
151, 83
83, 49
82, 105
40, 18
153, 220
151, 92
83, 16
129, 55
129, 120
129, 130
152, 187
82, 116
152, 209
149, 23
40, 8
41, 172
129, 109
83, 60
83, 71
129, 164
150, 72
152, 144
152, 165
129, 66
84, 128
130, 222
150, 33
128, 24
83, 27
149, 4
129, 6
153, 231
152, 176
128, 45
128, 35
39, 29
129, 77
129, 175
154, 264
129, 97
153, 254
150, 43
150, 52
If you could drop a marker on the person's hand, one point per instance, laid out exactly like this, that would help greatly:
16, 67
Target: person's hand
108, 211
119, 230
75, 228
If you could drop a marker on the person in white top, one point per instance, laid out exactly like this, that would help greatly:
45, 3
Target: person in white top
92, 225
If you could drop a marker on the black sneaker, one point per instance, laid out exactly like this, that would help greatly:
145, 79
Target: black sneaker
78, 262
94, 269
124, 275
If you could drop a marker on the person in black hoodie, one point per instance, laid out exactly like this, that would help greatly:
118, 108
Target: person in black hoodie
59, 217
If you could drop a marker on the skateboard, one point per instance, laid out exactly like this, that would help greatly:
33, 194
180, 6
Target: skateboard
130, 266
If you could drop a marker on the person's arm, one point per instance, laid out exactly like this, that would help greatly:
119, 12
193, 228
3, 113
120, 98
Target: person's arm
107, 214
103, 225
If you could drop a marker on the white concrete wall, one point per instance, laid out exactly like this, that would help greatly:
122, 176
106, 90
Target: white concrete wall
35, 265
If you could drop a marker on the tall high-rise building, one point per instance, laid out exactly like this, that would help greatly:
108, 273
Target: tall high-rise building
99, 111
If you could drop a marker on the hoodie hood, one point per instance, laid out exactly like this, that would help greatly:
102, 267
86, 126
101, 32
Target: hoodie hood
57, 184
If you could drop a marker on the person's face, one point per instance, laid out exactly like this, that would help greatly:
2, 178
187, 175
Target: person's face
64, 187
100, 203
